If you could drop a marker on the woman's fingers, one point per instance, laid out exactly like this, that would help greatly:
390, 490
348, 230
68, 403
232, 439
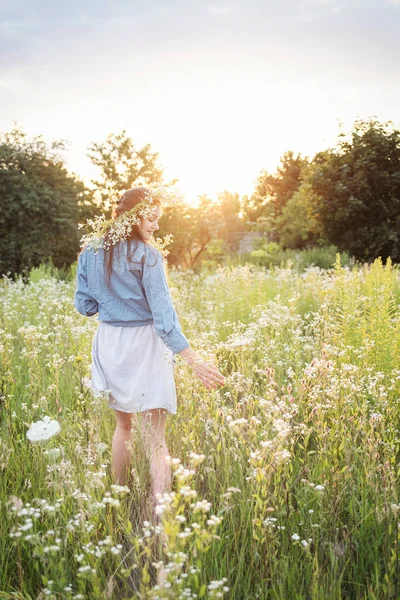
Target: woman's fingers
208, 373
212, 380
216, 375
214, 369
204, 378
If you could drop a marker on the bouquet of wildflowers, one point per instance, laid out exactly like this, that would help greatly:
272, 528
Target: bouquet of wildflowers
106, 232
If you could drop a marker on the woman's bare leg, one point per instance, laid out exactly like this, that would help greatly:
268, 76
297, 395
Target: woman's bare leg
120, 453
152, 423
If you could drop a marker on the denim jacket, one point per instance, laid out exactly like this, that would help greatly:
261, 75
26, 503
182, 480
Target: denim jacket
139, 292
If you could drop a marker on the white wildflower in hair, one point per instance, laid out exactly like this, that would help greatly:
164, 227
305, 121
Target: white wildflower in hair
43, 430
118, 229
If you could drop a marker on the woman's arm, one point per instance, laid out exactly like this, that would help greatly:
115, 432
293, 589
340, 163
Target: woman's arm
83, 302
158, 296
167, 323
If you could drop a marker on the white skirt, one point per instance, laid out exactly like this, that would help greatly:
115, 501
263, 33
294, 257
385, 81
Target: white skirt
133, 368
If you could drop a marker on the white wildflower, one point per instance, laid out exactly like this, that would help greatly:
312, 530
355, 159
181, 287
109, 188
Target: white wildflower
202, 506
53, 453
43, 430
101, 447
214, 520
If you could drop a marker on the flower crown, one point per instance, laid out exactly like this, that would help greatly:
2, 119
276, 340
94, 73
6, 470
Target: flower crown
106, 232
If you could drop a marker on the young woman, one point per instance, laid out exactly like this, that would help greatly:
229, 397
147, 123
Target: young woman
138, 334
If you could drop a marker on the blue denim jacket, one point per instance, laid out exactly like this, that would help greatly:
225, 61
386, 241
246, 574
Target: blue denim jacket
139, 292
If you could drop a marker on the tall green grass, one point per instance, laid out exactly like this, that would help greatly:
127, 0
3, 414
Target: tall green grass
301, 446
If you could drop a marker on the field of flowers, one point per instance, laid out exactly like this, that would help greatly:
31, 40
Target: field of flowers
285, 479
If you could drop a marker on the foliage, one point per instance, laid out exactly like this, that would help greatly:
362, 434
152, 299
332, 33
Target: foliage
121, 167
41, 204
230, 208
355, 197
193, 229
295, 226
348, 197
270, 254
294, 461
272, 192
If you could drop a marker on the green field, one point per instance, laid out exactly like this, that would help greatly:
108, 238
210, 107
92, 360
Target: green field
297, 495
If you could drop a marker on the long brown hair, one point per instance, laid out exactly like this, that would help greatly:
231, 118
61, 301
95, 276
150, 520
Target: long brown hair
128, 200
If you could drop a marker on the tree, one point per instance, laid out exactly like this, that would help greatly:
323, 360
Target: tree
41, 204
355, 195
193, 229
229, 205
295, 226
272, 192
122, 166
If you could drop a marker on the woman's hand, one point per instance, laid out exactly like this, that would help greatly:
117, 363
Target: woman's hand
206, 372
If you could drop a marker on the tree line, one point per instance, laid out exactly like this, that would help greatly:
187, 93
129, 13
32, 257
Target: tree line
348, 196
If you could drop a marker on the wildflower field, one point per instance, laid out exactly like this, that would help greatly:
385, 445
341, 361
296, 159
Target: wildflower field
285, 480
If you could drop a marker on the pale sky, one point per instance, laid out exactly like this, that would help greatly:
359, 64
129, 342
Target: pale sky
219, 89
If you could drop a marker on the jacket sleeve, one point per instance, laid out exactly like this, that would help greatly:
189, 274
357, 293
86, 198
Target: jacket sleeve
158, 296
84, 303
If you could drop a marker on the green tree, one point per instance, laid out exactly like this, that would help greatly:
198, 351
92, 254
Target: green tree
272, 192
122, 166
296, 228
41, 204
355, 195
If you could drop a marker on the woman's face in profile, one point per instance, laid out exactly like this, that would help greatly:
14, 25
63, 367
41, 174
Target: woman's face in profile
150, 224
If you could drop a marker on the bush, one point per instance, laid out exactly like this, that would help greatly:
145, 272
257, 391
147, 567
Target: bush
272, 255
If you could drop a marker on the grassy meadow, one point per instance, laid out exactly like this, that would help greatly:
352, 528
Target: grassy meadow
285, 480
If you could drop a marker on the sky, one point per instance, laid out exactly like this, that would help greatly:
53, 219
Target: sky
219, 89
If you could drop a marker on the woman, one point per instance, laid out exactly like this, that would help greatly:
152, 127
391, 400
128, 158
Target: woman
138, 334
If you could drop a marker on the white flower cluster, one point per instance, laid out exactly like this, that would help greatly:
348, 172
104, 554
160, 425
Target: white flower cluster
43, 430
118, 229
